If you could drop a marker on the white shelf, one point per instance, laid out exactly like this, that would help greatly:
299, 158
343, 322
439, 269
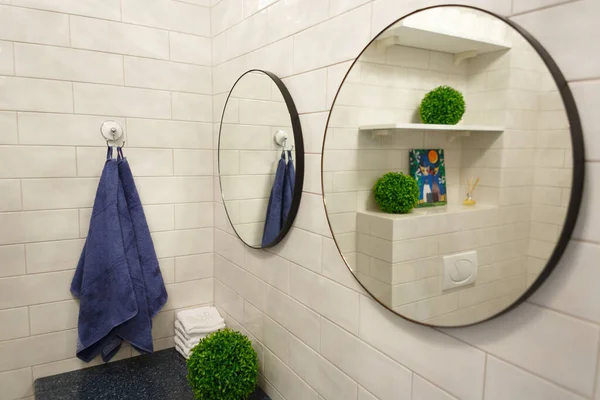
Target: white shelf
432, 127
431, 38
431, 211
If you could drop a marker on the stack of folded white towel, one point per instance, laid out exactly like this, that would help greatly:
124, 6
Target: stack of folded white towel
193, 325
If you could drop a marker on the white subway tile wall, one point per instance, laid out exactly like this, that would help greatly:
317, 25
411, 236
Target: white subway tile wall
516, 357
65, 67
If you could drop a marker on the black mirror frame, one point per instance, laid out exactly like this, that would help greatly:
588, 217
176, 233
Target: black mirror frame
299, 157
578, 175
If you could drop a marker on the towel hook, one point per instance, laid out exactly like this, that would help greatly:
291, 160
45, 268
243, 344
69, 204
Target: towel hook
112, 132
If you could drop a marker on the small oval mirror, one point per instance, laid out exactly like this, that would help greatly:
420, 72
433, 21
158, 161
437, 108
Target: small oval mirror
261, 159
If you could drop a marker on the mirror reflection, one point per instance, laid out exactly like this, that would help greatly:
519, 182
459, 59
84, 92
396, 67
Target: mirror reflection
257, 159
447, 166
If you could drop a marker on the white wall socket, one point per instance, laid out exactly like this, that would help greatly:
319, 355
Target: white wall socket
460, 270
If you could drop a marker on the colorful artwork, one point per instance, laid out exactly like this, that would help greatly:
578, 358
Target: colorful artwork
428, 168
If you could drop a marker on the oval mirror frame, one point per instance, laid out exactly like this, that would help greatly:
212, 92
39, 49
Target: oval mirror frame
578, 171
299, 157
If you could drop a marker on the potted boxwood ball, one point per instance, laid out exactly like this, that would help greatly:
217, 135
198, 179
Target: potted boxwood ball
443, 105
396, 193
223, 366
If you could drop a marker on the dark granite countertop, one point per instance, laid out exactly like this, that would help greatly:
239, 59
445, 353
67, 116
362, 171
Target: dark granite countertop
157, 376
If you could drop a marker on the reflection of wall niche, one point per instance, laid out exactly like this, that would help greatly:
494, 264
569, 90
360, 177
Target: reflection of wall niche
514, 136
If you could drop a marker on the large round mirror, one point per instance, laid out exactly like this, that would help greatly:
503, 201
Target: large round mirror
452, 166
261, 159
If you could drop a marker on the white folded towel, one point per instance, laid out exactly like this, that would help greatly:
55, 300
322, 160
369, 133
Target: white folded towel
179, 329
200, 320
186, 348
182, 352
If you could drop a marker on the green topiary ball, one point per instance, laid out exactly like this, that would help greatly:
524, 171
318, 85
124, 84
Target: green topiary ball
443, 105
396, 193
223, 366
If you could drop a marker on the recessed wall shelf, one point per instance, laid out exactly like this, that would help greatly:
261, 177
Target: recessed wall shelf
433, 38
383, 129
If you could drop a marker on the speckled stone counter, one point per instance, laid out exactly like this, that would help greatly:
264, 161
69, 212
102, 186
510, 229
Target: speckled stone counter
158, 376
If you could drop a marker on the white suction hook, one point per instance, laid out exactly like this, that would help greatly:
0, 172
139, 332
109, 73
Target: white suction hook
112, 132
281, 138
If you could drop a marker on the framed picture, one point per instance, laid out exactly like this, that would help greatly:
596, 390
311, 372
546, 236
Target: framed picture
428, 168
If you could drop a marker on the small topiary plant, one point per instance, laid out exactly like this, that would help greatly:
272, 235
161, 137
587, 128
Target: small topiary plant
443, 105
223, 366
396, 193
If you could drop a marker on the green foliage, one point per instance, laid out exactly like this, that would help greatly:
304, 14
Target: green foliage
443, 105
223, 366
396, 193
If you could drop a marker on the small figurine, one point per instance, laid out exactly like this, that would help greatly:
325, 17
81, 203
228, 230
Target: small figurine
471, 186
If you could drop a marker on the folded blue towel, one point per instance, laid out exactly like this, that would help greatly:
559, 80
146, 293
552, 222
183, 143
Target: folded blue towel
113, 289
274, 208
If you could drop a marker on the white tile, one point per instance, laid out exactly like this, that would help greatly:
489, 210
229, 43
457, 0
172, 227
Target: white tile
11, 195
250, 34
122, 101
26, 25
253, 6
53, 256
183, 243
109, 9
52, 193
320, 374
37, 350
225, 14
562, 39
190, 48
160, 190
61, 129
68, 64
143, 162
230, 247
188, 294
64, 314
277, 57
268, 267
339, 6
248, 286
115, 37
151, 133
193, 215
294, 245
586, 95
286, 381
14, 323
333, 301
35, 289
8, 128
163, 325
423, 390
510, 337
313, 129
275, 338
311, 215
192, 107
298, 319
570, 288
167, 269
308, 90
35, 95
340, 39
373, 370
228, 300
198, 266
204, 3
446, 362
160, 217
7, 61
16, 384
12, 260
585, 229
171, 15
505, 381
289, 16
167, 75
37, 226
335, 75
193, 162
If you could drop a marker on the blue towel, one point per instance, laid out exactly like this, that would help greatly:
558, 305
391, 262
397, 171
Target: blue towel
274, 208
288, 188
109, 281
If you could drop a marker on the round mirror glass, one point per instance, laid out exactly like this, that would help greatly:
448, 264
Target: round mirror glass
452, 166
261, 164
